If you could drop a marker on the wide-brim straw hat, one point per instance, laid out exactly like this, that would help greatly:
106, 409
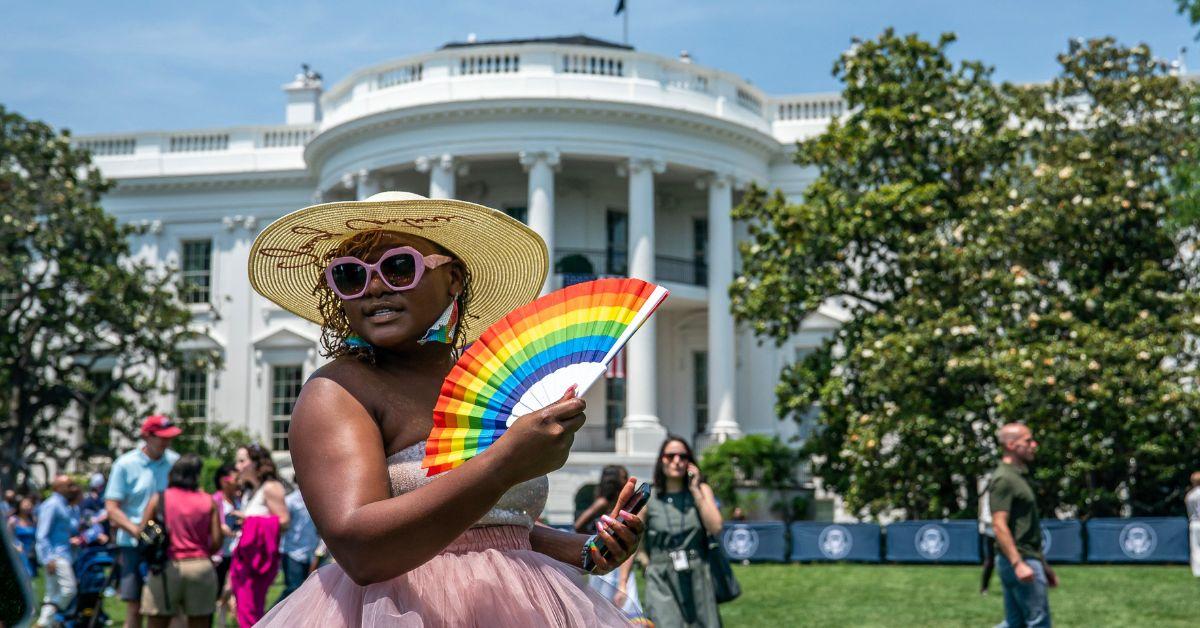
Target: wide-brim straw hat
507, 260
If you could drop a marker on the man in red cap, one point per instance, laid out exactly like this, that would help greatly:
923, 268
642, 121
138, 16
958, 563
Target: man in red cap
135, 476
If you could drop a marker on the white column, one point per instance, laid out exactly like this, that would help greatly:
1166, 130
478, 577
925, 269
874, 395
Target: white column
540, 202
367, 185
441, 175
722, 356
642, 433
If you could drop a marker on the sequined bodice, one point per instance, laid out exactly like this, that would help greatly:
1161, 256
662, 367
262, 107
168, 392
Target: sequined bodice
520, 506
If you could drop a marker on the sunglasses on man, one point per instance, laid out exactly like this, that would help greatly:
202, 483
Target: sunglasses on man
400, 269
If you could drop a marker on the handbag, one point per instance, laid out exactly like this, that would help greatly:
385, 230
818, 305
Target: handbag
725, 584
153, 539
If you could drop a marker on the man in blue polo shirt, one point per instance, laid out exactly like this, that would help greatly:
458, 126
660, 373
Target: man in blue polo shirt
57, 538
135, 476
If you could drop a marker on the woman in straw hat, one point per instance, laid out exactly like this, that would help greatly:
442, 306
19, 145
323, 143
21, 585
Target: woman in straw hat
399, 284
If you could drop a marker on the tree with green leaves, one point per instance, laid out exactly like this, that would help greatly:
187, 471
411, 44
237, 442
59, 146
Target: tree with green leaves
88, 336
754, 462
1004, 255
1189, 9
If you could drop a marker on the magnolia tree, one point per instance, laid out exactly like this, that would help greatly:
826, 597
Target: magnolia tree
1004, 254
88, 337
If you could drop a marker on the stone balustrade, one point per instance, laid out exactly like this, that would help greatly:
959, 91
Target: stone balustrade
518, 72
564, 71
252, 149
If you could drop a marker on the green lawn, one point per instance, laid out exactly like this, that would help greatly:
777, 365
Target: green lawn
116, 608
923, 595
919, 595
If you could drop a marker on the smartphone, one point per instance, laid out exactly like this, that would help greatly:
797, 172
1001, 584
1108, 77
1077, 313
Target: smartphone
635, 505
640, 497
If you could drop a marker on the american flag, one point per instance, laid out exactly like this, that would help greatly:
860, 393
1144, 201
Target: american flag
616, 368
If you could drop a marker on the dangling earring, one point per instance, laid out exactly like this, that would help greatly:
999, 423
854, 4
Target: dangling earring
354, 341
443, 330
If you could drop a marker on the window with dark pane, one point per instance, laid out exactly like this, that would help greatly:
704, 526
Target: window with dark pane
286, 382
614, 405
700, 386
191, 402
617, 243
196, 275
700, 250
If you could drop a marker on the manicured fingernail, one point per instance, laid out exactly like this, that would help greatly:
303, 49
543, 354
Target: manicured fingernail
626, 515
602, 526
607, 519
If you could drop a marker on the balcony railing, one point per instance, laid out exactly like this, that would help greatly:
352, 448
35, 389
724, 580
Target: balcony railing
579, 265
681, 270
564, 71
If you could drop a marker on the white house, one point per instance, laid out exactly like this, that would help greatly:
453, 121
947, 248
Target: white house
625, 162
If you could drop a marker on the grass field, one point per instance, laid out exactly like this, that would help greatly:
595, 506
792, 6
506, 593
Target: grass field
922, 595
917, 595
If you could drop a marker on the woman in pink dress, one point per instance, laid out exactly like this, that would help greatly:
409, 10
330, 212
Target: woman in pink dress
399, 284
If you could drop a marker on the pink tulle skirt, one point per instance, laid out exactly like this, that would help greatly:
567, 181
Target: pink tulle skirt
487, 577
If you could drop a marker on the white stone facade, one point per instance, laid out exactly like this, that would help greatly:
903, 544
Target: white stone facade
625, 162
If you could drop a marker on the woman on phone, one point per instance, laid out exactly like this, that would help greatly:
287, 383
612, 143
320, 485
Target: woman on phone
682, 513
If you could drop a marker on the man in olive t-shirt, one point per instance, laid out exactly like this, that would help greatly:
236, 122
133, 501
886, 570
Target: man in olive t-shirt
1023, 570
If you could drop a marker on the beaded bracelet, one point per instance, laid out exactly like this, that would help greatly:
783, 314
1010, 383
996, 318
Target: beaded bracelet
585, 555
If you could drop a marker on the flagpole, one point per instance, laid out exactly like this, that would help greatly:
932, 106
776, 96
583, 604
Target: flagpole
625, 14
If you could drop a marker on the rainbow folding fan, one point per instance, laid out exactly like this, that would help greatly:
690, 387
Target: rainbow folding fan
528, 359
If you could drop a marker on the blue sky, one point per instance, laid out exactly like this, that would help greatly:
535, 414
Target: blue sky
121, 66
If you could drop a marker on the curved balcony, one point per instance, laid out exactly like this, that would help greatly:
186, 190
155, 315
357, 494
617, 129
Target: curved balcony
542, 70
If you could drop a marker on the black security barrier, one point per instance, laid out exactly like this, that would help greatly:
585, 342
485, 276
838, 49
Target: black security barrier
1140, 540
823, 541
758, 541
933, 542
1062, 540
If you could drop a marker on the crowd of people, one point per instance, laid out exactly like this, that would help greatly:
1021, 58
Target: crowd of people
176, 550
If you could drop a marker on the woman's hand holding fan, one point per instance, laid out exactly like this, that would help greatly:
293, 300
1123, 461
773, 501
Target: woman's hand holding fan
523, 362
541, 441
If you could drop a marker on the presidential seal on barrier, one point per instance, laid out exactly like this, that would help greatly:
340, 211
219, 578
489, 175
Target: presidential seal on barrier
932, 541
1138, 541
835, 542
741, 542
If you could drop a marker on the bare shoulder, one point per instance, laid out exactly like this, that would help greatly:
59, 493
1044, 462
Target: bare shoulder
273, 488
344, 370
332, 387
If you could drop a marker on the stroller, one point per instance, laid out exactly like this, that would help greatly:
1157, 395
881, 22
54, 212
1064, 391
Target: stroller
93, 572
